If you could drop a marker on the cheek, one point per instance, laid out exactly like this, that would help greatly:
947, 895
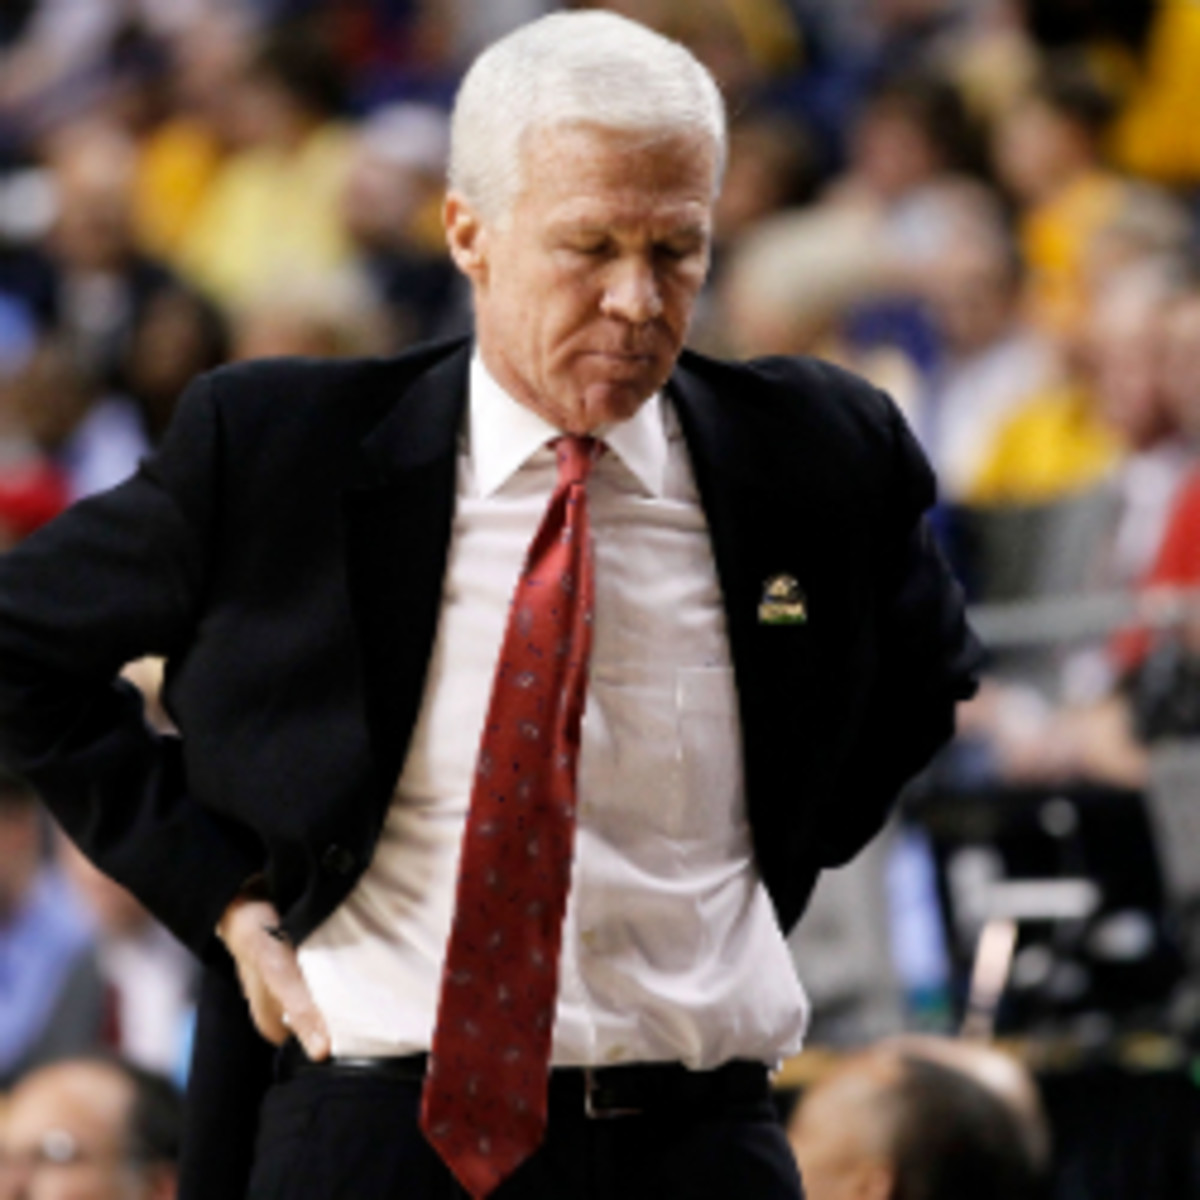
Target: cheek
685, 282
565, 308
511, 311
679, 299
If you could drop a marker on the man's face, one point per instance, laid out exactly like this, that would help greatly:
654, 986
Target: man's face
63, 1138
584, 288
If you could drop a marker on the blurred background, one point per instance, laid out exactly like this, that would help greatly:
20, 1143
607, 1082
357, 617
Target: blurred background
988, 207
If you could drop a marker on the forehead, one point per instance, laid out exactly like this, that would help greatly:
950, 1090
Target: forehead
89, 1103
579, 173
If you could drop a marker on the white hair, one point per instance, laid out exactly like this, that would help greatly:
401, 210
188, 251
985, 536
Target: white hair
590, 68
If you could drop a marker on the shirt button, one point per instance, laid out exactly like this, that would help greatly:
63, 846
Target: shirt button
588, 938
337, 860
617, 1053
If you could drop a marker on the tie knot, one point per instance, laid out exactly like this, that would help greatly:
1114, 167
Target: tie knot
575, 457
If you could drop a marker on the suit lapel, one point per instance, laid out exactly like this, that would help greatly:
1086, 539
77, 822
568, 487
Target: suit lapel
398, 519
398, 514
762, 527
762, 512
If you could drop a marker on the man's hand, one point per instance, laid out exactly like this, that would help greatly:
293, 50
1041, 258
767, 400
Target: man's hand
279, 999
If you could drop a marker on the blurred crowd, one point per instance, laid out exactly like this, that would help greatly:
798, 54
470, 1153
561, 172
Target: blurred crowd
986, 206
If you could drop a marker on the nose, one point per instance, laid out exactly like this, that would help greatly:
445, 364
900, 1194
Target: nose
631, 293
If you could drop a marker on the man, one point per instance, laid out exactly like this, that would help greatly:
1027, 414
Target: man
51, 1000
325, 554
90, 1129
146, 978
922, 1119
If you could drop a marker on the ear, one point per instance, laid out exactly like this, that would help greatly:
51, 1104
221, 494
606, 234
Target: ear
466, 237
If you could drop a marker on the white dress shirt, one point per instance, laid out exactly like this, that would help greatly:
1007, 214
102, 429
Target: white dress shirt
671, 950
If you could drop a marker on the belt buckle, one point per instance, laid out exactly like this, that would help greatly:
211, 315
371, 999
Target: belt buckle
599, 1112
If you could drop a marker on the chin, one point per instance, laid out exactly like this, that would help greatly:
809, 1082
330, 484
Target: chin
611, 405
618, 399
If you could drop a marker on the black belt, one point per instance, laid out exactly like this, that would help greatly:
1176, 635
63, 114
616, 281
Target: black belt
617, 1091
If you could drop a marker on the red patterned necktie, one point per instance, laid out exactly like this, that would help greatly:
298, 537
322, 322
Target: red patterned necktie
484, 1103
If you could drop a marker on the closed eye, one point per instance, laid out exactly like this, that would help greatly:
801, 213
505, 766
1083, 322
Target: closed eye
678, 251
590, 249
673, 253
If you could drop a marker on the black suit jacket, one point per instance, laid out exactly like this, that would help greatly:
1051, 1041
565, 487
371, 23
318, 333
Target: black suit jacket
285, 549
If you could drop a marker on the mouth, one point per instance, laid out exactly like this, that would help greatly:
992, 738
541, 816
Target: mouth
623, 359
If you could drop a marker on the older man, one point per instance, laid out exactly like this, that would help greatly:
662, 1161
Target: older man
526, 685
90, 1129
927, 1117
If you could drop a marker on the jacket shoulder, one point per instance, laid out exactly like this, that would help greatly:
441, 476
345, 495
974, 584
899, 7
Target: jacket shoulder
800, 387
297, 389
780, 416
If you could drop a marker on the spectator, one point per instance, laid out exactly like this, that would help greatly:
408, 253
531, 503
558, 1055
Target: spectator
909, 145
61, 61
181, 156
842, 277
1165, 670
107, 297
771, 166
90, 1129
792, 278
319, 317
993, 57
176, 337
1111, 421
33, 489
1155, 136
1128, 333
50, 1000
991, 361
93, 440
1149, 227
1053, 446
102, 281
745, 46
391, 206
273, 206
771, 169
31, 493
1047, 152
921, 1120
1080, 727
147, 976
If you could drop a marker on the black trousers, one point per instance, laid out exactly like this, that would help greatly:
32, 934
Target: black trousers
331, 1136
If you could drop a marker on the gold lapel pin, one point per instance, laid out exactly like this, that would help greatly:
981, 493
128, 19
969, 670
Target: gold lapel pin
783, 602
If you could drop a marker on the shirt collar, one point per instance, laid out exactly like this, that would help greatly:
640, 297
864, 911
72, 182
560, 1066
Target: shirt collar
504, 435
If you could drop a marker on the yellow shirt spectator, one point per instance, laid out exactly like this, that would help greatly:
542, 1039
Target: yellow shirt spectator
177, 164
1052, 446
1055, 236
1156, 135
270, 213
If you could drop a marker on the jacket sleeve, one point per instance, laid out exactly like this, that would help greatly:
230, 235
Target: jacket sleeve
116, 577
928, 658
